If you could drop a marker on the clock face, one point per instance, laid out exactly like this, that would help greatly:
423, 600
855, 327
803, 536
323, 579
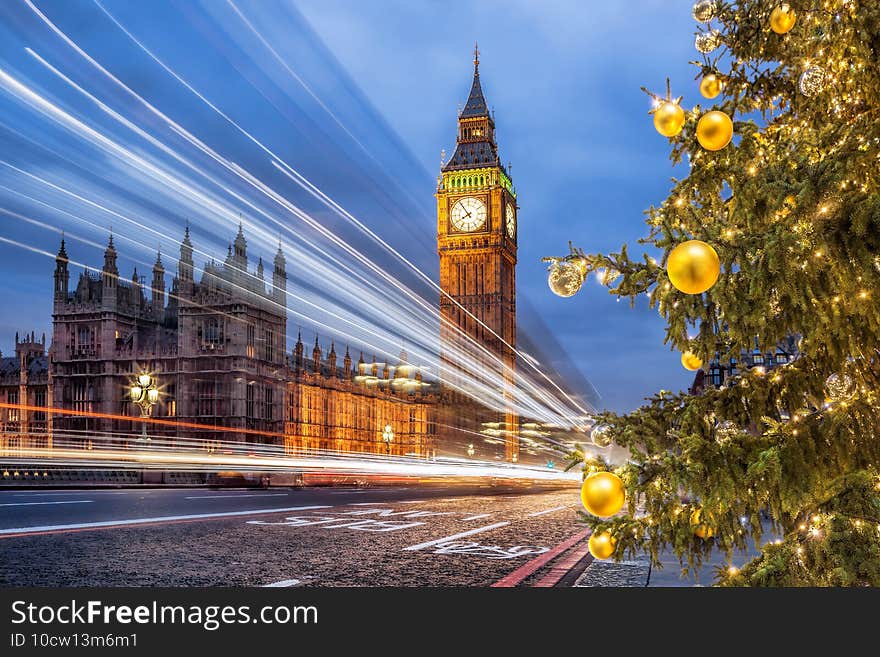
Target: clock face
468, 214
511, 221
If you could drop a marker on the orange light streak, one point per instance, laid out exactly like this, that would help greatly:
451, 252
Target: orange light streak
51, 410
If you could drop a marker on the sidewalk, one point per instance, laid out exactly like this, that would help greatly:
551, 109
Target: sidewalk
639, 572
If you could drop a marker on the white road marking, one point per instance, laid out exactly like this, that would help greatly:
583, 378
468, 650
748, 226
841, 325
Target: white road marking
41, 503
62, 493
541, 513
477, 517
141, 521
422, 546
412, 502
218, 497
282, 584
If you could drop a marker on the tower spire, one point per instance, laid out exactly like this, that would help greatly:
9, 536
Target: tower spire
476, 102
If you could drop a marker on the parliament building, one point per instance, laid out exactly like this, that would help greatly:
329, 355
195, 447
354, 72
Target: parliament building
216, 344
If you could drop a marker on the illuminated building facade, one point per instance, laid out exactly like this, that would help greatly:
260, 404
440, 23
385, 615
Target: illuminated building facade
361, 408
217, 349
24, 381
477, 244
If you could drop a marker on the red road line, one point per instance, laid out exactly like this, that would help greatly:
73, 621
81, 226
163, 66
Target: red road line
560, 568
518, 575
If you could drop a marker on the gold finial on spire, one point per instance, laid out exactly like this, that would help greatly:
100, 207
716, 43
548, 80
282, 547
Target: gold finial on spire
476, 58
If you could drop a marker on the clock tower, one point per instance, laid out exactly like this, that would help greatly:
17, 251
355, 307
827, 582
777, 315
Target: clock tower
476, 240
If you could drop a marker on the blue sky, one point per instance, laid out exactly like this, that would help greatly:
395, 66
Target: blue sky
379, 84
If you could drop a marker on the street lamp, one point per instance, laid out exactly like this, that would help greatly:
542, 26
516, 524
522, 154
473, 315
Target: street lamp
145, 393
470, 449
388, 436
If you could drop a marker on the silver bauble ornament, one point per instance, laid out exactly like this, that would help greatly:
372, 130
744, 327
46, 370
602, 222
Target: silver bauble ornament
704, 10
706, 42
839, 387
725, 431
565, 278
812, 81
601, 435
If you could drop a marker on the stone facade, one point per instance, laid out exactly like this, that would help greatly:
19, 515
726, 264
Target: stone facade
24, 392
217, 350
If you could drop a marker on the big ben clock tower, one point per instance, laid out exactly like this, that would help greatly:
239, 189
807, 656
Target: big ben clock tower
476, 240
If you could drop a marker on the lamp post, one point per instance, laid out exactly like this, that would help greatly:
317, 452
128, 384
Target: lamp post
145, 393
388, 437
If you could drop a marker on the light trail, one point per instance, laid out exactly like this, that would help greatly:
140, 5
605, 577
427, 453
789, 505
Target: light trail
488, 393
373, 299
302, 179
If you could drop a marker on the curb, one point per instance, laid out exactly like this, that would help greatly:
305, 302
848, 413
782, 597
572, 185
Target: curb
521, 573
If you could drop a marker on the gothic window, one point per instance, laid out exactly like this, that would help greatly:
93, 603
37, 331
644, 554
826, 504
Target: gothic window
268, 344
85, 340
269, 401
80, 396
205, 398
758, 359
40, 400
251, 340
781, 358
12, 414
170, 394
249, 399
210, 334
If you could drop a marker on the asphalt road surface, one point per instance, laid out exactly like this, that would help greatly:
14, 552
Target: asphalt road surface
416, 536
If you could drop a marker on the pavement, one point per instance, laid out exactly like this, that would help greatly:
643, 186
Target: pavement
395, 536
640, 572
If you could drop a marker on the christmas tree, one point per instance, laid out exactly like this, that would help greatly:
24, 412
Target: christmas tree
784, 186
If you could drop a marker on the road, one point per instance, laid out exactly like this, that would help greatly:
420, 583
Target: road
416, 536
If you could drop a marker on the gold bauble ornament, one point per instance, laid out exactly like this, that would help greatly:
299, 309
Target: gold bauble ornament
701, 529
602, 494
714, 130
710, 86
669, 118
782, 19
602, 545
691, 361
693, 267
